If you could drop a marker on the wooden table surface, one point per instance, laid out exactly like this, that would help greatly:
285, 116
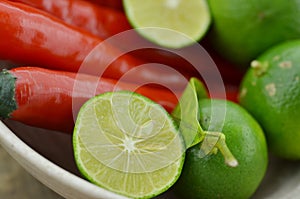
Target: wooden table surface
17, 183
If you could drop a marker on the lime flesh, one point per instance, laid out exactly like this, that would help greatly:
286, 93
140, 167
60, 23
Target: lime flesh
128, 144
169, 23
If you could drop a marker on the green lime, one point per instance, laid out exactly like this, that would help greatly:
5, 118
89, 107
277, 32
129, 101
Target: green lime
128, 144
169, 23
270, 91
242, 30
208, 177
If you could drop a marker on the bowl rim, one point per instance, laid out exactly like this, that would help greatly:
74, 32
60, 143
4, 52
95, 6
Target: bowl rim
56, 178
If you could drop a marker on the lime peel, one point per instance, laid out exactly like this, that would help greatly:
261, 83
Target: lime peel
259, 67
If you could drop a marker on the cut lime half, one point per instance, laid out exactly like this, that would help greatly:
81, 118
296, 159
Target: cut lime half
169, 23
128, 144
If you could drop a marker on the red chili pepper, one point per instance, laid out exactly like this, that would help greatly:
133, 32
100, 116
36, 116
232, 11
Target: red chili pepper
33, 37
231, 73
231, 93
99, 20
106, 22
47, 98
116, 4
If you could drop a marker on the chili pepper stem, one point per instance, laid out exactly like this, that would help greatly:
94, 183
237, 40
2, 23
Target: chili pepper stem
7, 94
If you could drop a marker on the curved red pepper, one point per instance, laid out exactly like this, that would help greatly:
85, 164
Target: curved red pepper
99, 20
51, 99
231, 93
106, 22
33, 37
231, 73
47, 98
115, 4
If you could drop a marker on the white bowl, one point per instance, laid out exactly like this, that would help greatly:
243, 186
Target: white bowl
61, 174
47, 155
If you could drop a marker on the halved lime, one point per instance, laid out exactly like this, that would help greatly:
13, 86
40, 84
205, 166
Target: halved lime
128, 144
169, 23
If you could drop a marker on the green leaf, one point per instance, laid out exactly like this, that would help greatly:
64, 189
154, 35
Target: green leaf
187, 112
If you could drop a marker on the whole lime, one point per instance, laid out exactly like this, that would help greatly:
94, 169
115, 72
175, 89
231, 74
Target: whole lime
243, 29
270, 91
210, 177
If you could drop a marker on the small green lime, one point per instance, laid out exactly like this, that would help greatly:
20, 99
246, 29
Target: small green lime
209, 177
128, 144
242, 30
270, 91
169, 23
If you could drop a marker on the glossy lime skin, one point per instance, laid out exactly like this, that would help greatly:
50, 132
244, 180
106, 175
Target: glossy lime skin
272, 96
209, 177
243, 29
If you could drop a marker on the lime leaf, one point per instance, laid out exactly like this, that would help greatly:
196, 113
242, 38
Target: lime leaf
125, 142
187, 113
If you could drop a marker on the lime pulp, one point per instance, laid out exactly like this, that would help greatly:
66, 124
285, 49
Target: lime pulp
169, 23
128, 144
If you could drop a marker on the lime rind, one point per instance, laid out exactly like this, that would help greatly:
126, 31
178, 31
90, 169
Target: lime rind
169, 23
155, 175
270, 92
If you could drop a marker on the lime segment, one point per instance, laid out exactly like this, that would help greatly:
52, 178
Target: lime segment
169, 23
125, 143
